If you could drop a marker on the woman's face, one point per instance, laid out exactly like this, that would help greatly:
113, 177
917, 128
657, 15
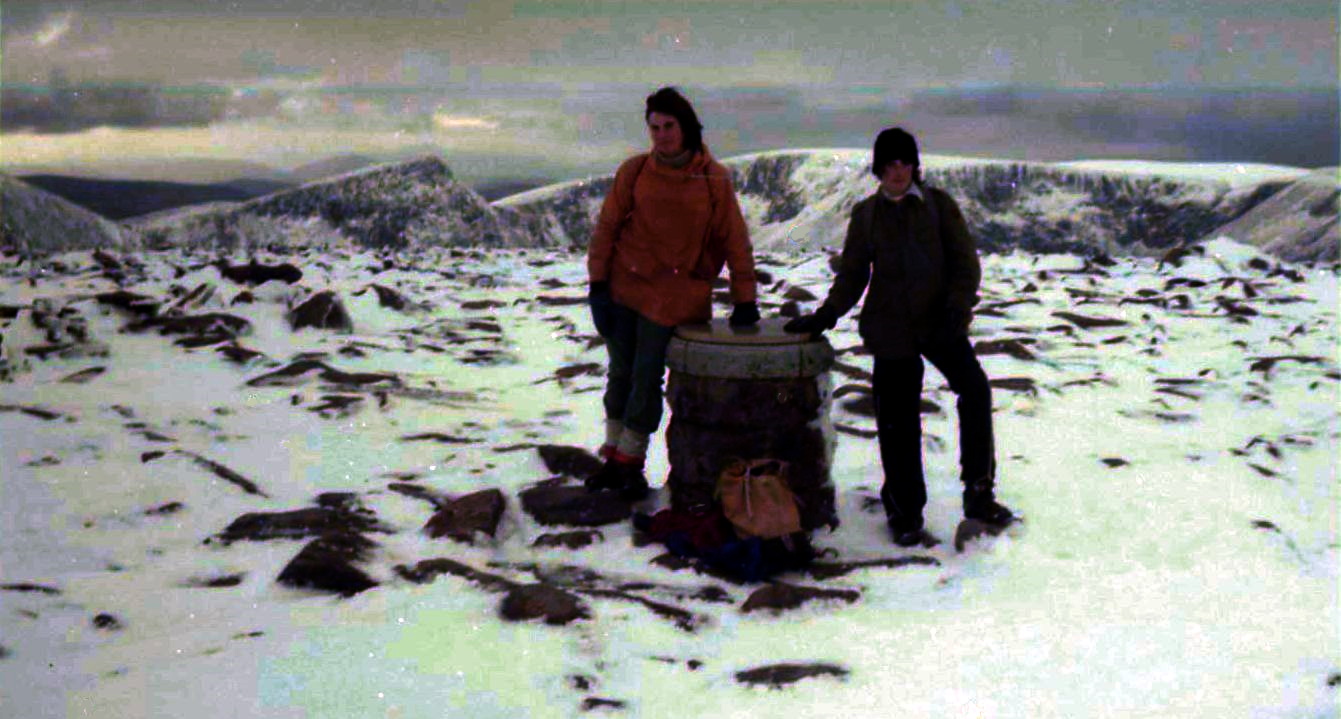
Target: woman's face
897, 177
667, 137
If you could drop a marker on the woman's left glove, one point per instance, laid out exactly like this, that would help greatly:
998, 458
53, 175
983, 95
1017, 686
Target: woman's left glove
744, 314
602, 307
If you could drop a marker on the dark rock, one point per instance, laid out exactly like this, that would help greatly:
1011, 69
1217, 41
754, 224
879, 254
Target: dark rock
219, 582
107, 622
209, 328
147, 457
326, 564
238, 354
30, 588
780, 596
829, 570
568, 461
83, 376
542, 601
461, 518
253, 273
971, 529
581, 682
575, 539
410, 489
427, 570
297, 524
224, 473
322, 310
294, 372
1114, 461
1086, 323
574, 505
594, 703
165, 509
387, 297
136, 304
776, 676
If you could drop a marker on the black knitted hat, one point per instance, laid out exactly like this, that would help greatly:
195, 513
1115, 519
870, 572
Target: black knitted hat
895, 143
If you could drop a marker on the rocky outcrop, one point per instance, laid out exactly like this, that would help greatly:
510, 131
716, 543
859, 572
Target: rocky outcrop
1299, 223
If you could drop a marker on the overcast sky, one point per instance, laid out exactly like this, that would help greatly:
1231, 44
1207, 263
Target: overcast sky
895, 45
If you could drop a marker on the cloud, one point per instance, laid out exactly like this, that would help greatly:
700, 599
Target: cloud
56, 27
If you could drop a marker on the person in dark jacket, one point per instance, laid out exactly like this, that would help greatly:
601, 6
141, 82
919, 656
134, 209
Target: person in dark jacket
908, 250
669, 224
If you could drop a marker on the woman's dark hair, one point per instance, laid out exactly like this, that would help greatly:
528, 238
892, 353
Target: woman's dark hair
895, 143
669, 101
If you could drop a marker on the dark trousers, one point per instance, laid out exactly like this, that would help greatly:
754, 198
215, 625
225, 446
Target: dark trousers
898, 400
637, 349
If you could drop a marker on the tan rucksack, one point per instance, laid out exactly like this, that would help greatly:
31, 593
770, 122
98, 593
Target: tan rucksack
755, 497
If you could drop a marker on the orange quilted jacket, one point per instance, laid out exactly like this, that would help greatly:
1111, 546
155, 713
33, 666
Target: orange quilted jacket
664, 234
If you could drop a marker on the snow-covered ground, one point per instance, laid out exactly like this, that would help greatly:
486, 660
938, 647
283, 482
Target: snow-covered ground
1179, 556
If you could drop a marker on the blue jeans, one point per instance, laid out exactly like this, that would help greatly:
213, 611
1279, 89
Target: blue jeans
637, 348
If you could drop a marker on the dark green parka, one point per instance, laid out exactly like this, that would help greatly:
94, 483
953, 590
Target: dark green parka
915, 268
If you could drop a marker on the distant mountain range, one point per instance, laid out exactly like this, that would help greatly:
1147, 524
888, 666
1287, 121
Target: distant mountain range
794, 200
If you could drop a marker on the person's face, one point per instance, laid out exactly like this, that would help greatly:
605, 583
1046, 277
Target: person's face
667, 137
897, 177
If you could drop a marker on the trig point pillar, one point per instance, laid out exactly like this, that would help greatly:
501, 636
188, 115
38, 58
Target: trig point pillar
750, 393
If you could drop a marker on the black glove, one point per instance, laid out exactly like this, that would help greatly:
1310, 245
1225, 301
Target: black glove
602, 307
744, 314
953, 325
820, 320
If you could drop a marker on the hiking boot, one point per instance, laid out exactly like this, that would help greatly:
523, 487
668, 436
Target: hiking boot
634, 486
982, 506
908, 533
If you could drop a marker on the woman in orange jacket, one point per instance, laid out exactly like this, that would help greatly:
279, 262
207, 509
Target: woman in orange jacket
668, 225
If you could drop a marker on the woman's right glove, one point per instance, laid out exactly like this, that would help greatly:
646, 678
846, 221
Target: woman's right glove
602, 307
818, 321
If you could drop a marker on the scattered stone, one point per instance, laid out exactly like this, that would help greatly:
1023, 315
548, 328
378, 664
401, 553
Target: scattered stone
1114, 461
107, 622
1014, 347
165, 509
829, 570
780, 596
437, 437
542, 601
322, 310
971, 529
419, 492
461, 518
776, 676
387, 297
574, 505
855, 431
429, 569
1015, 384
575, 539
203, 327
136, 304
38, 412
83, 376
568, 461
219, 582
253, 273
326, 564
224, 473
581, 682
594, 703
1266, 364
28, 587
294, 372
238, 354
147, 457
1086, 323
298, 524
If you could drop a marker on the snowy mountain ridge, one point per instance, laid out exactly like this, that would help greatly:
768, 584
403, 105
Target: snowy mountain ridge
793, 200
799, 200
